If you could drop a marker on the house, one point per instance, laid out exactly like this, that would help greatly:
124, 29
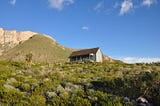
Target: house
93, 55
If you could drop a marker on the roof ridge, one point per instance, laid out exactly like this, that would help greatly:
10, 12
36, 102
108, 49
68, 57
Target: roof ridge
84, 52
88, 49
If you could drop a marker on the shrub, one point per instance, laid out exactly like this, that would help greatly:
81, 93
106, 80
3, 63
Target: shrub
36, 100
11, 96
56, 101
78, 101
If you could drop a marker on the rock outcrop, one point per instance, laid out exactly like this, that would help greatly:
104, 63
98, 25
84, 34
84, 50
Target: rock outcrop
12, 37
106, 58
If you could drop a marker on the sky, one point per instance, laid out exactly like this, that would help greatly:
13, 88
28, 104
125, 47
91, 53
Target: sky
128, 30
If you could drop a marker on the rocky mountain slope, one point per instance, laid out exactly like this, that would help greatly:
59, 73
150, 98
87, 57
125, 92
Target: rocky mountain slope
14, 37
11, 38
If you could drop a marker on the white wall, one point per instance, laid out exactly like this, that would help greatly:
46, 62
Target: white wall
99, 57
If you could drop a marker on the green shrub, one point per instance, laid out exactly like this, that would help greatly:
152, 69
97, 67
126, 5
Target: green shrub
79, 101
11, 96
36, 100
56, 101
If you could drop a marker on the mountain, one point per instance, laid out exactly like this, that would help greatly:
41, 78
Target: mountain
43, 48
14, 37
11, 38
14, 46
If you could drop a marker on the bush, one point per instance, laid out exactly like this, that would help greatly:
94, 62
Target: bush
78, 101
11, 96
36, 100
56, 101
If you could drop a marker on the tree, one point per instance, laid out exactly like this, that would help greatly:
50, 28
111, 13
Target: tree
29, 59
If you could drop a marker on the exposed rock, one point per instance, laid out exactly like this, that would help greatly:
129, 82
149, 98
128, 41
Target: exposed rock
11, 80
71, 87
14, 37
22, 36
142, 102
1, 35
51, 94
60, 89
10, 87
9, 37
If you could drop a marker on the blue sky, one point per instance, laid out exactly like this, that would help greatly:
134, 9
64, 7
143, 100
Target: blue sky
128, 30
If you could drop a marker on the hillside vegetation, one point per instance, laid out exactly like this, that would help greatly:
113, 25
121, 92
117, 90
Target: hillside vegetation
43, 48
79, 84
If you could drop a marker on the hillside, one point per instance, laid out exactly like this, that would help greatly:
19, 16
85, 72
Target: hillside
85, 84
43, 48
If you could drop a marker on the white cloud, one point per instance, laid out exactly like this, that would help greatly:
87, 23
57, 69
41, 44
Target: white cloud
99, 5
59, 4
126, 6
148, 2
140, 60
13, 2
85, 28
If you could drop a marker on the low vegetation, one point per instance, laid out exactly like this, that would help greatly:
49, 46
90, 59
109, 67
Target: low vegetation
79, 84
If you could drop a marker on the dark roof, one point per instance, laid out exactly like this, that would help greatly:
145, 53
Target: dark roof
84, 52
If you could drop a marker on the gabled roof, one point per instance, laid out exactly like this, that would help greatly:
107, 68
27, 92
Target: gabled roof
84, 52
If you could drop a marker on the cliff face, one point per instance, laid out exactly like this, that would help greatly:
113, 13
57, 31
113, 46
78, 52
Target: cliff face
12, 37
